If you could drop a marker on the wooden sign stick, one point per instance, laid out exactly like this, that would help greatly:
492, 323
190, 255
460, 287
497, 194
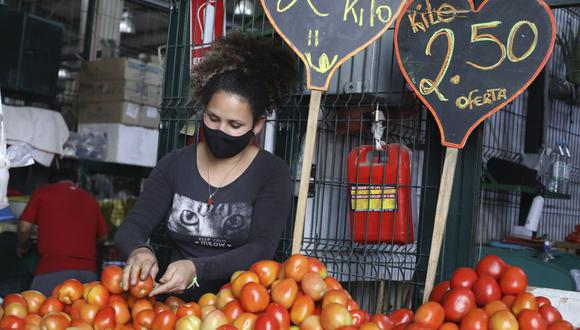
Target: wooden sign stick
445, 189
309, 142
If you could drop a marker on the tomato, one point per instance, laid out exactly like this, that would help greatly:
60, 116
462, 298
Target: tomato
12, 322
54, 292
334, 316
139, 305
509, 300
550, 314
122, 314
188, 309
159, 307
88, 312
531, 320
97, 294
213, 320
449, 326
34, 300
296, 266
458, 303
313, 285
55, 321
311, 323
224, 297
358, 317
383, 321
439, 291
285, 292
503, 320
416, 326
267, 271
352, 305
205, 310
111, 278
332, 283
335, 296
144, 319
82, 325
207, 299
463, 277
495, 306
430, 314
33, 318
541, 301
14, 298
16, 309
280, 314
243, 279
524, 301
235, 275
402, 326
142, 288
245, 321
513, 281
225, 327
301, 309
50, 305
401, 315
164, 321
174, 302
350, 327
476, 319
254, 298
318, 267
561, 325
369, 326
491, 265
266, 322
486, 290
105, 319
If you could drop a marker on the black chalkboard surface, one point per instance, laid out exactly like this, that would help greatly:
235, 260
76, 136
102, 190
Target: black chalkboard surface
466, 63
327, 33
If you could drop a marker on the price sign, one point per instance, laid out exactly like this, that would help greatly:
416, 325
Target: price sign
327, 33
467, 63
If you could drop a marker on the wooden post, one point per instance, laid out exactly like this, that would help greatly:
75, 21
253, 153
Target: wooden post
445, 189
309, 142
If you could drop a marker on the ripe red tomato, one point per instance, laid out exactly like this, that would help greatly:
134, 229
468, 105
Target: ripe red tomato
51, 305
16, 309
524, 301
267, 271
111, 278
561, 325
285, 292
383, 321
14, 298
495, 306
335, 296
458, 303
245, 321
531, 320
232, 310
55, 321
550, 314
96, 294
503, 320
139, 305
254, 298
439, 291
164, 321
358, 317
242, 279
318, 267
225, 327
70, 290
105, 319
332, 283
142, 288
89, 312
296, 266
416, 326
144, 319
12, 322
34, 300
513, 281
189, 309
302, 308
174, 302
313, 285
449, 326
280, 314
401, 315
509, 299
266, 322
430, 314
463, 277
82, 325
122, 314
476, 319
486, 290
491, 265
543, 301
334, 316
369, 326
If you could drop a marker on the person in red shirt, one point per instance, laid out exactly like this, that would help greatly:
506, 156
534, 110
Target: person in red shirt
70, 224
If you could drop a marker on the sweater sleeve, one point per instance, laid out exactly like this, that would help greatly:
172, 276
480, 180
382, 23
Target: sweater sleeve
149, 210
271, 210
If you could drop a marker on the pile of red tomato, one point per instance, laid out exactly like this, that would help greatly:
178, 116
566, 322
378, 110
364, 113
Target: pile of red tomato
574, 236
295, 295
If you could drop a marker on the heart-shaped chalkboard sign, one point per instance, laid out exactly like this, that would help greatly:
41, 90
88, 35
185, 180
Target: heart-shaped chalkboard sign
467, 63
327, 33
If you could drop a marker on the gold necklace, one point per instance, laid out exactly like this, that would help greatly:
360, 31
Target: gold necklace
210, 199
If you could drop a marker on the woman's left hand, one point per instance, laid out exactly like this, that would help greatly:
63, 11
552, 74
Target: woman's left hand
176, 279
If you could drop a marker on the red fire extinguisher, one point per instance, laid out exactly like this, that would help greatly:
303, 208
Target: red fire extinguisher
207, 22
380, 195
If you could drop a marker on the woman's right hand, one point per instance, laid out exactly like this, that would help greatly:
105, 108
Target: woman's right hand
141, 263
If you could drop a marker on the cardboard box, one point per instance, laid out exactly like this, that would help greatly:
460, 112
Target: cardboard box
120, 90
119, 112
122, 69
126, 144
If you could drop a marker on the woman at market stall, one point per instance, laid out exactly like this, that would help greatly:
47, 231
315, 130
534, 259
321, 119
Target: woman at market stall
225, 200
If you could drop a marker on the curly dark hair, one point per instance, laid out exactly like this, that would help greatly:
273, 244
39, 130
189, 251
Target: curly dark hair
252, 68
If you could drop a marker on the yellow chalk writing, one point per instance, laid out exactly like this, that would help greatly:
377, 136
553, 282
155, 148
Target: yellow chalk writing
476, 99
324, 64
427, 86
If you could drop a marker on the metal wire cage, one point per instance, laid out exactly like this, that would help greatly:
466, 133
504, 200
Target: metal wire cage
381, 272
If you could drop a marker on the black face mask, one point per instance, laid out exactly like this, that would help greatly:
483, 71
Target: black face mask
223, 145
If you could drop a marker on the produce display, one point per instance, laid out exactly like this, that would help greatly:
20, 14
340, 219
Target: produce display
574, 236
295, 295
